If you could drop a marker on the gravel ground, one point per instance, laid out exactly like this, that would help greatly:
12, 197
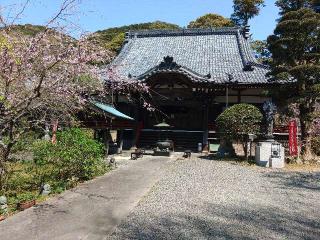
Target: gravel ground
203, 199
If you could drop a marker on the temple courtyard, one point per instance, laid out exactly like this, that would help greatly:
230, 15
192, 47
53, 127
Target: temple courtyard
176, 198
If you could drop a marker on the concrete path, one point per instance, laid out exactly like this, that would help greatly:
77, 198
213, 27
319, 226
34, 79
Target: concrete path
90, 211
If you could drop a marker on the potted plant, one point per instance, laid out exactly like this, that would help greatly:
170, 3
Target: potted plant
26, 200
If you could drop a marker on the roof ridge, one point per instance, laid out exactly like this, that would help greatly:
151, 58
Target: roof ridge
247, 58
124, 50
241, 46
182, 32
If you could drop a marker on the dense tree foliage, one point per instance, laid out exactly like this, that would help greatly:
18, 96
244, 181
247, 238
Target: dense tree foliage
112, 38
245, 10
211, 21
294, 5
295, 47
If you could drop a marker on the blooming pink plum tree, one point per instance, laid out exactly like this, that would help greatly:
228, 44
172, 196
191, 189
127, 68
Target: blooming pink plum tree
46, 76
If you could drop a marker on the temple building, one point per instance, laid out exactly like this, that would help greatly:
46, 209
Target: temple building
193, 75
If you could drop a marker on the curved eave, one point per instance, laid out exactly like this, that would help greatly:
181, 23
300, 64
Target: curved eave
197, 78
193, 76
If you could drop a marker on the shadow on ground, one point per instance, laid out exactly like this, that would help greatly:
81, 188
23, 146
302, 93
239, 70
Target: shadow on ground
302, 180
225, 223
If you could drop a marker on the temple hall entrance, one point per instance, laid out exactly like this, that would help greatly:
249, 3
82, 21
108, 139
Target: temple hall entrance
181, 107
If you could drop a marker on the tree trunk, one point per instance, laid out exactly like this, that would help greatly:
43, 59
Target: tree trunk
5, 150
306, 137
245, 149
3, 170
306, 109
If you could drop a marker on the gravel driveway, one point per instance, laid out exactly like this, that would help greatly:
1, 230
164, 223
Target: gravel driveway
203, 199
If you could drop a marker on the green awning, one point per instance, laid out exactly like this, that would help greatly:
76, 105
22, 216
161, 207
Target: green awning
110, 110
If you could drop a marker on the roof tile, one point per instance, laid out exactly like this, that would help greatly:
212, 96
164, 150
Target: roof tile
217, 52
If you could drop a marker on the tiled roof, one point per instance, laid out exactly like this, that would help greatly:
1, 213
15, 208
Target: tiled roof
202, 54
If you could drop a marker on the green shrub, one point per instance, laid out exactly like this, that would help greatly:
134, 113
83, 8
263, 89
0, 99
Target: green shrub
238, 120
315, 143
21, 178
75, 157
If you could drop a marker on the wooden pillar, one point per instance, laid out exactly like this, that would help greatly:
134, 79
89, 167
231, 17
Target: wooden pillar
106, 139
239, 96
205, 125
120, 140
95, 134
227, 96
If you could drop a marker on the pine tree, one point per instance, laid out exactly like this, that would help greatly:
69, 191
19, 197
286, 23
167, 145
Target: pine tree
294, 5
295, 47
245, 10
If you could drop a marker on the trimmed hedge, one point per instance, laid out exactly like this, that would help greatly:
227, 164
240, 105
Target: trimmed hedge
239, 120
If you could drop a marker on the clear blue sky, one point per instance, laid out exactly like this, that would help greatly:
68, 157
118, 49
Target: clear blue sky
96, 15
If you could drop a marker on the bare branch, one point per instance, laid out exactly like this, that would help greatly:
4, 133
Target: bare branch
20, 12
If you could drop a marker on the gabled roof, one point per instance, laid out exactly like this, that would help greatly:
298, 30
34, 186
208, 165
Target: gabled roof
210, 55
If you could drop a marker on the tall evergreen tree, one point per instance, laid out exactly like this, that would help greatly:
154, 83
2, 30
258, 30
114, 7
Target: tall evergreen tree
295, 47
291, 5
294, 5
245, 10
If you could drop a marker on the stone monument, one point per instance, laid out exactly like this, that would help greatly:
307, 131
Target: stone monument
46, 190
269, 153
3, 205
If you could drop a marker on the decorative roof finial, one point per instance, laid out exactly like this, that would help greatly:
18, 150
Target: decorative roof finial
230, 77
246, 32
